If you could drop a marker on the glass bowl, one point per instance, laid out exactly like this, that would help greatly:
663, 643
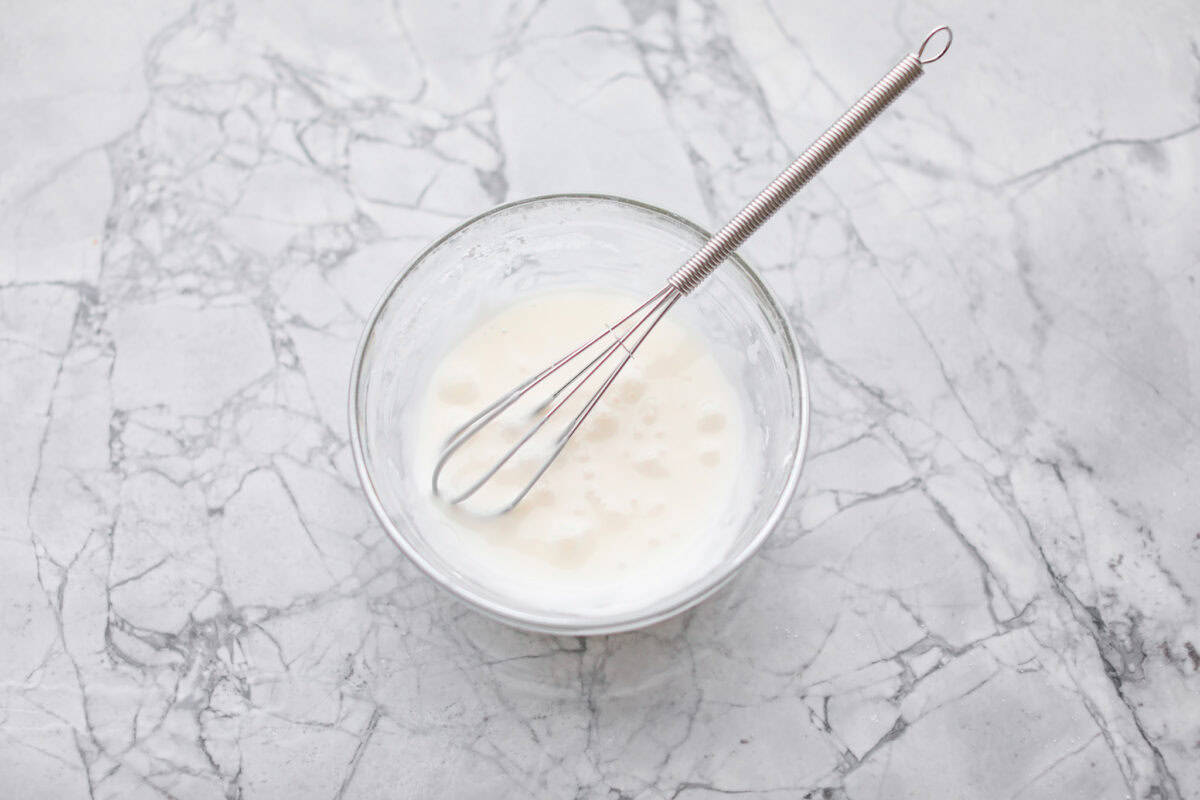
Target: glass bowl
495, 258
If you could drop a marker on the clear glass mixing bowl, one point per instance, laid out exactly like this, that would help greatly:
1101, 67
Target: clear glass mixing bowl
570, 241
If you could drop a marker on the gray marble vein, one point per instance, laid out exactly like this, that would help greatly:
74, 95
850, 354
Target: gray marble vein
986, 588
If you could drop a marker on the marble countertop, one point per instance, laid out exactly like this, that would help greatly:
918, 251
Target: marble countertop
986, 588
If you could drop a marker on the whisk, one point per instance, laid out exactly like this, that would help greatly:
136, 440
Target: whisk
617, 343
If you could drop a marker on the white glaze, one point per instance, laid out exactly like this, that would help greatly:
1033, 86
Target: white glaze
632, 508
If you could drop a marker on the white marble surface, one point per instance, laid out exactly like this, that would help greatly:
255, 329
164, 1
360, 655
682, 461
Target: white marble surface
987, 587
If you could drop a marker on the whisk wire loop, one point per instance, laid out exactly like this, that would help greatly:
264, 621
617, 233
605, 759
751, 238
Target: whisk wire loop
644, 316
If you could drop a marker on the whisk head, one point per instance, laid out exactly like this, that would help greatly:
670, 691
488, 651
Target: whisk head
595, 364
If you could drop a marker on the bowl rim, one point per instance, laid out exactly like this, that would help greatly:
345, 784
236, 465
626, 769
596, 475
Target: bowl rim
614, 623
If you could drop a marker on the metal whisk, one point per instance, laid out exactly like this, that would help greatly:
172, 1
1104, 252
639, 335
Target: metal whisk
624, 337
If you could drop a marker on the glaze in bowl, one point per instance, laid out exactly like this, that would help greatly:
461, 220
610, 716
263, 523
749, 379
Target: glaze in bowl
571, 241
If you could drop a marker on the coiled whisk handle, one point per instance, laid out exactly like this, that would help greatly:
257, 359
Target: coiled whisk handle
804, 168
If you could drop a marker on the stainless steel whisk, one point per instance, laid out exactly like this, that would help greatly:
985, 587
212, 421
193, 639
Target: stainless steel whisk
638, 324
